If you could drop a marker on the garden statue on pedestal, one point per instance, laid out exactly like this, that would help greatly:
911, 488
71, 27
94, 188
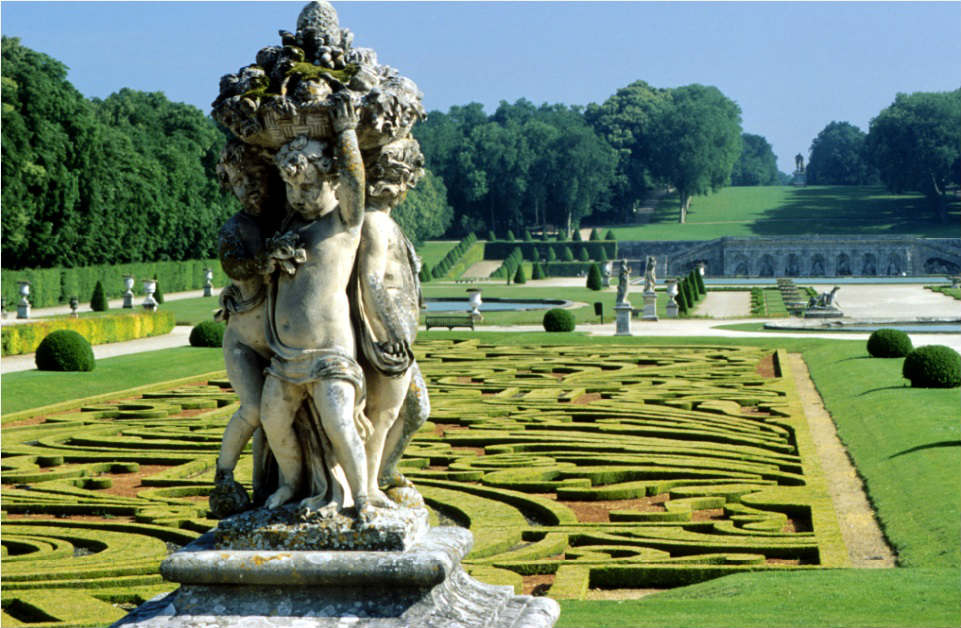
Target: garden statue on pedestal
650, 298
322, 311
622, 307
823, 306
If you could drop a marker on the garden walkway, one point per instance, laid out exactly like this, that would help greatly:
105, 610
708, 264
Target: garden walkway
900, 301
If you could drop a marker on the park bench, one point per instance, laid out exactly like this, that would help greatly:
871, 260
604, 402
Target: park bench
449, 320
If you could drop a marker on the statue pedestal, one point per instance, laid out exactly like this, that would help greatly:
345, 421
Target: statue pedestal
422, 586
823, 312
23, 310
622, 313
208, 290
671, 308
650, 307
128, 300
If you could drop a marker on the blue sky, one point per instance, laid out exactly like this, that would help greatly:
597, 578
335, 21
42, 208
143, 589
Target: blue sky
792, 67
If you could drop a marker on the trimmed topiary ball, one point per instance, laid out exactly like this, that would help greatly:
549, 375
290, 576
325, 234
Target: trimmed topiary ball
889, 343
559, 320
933, 366
64, 350
207, 334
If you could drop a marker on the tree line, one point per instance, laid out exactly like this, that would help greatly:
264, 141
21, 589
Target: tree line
914, 144
131, 178
551, 166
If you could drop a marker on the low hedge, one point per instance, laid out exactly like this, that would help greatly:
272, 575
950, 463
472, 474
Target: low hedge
52, 286
500, 249
26, 337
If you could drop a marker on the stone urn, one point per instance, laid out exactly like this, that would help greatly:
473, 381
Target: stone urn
149, 287
671, 289
23, 308
606, 271
208, 282
474, 297
128, 282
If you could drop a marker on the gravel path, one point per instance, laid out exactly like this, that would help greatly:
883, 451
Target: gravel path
725, 305
859, 528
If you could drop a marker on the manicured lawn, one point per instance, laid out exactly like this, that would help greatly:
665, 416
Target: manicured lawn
31, 389
771, 211
435, 250
193, 311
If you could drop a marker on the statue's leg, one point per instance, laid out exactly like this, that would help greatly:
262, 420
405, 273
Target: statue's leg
385, 396
413, 413
245, 370
279, 403
334, 401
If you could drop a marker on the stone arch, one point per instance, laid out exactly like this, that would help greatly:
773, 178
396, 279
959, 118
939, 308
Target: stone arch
793, 268
817, 265
765, 266
741, 265
894, 265
843, 265
869, 264
940, 266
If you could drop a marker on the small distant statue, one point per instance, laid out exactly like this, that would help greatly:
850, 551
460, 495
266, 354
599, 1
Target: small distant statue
650, 279
825, 299
799, 163
623, 277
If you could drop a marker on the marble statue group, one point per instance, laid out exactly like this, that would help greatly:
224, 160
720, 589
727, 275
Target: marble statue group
323, 306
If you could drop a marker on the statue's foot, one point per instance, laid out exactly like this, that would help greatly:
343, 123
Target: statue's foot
396, 480
319, 507
379, 499
280, 497
365, 510
228, 497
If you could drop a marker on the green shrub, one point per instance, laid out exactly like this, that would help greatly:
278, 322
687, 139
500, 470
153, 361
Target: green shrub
609, 235
701, 288
425, 275
594, 237
889, 343
602, 255
491, 236
583, 256
98, 302
64, 350
527, 235
537, 272
207, 334
520, 276
594, 279
683, 305
129, 325
577, 236
551, 254
933, 366
158, 294
566, 254
510, 236
559, 320
535, 254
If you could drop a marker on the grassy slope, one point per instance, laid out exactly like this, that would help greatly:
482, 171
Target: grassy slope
433, 252
771, 211
905, 443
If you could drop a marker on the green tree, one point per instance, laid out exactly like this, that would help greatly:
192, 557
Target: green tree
757, 164
520, 276
838, 157
916, 145
696, 141
627, 122
424, 213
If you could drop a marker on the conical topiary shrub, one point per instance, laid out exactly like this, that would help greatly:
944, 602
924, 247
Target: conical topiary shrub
594, 279
594, 237
566, 254
158, 294
520, 276
98, 302
583, 255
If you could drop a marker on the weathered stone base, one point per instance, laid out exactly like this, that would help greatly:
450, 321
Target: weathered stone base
823, 312
650, 307
292, 528
622, 312
424, 586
